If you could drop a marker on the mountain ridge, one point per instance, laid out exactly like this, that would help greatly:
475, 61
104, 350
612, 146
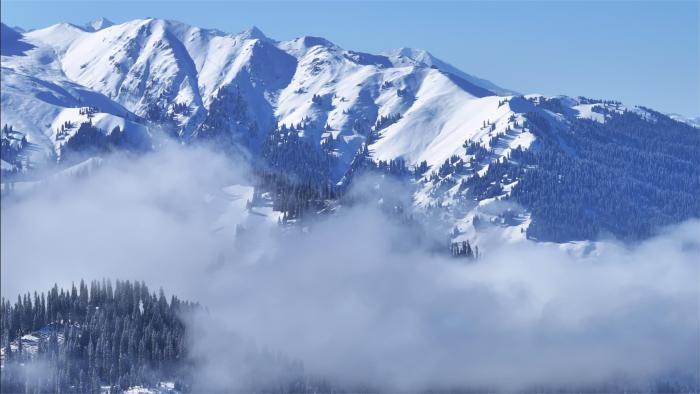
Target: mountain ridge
304, 107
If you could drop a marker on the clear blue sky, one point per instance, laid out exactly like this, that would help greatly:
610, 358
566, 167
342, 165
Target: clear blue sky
639, 52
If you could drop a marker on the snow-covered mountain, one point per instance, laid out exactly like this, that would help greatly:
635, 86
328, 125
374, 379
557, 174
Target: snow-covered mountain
68, 88
99, 24
145, 65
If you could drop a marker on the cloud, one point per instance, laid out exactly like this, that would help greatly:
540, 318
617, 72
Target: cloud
360, 311
148, 217
358, 298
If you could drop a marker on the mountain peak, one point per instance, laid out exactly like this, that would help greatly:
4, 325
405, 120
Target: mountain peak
418, 55
253, 33
413, 56
311, 41
408, 52
99, 24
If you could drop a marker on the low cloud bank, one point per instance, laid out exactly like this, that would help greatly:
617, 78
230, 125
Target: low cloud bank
357, 298
358, 310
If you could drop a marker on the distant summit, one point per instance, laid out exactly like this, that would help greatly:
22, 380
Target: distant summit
421, 56
99, 24
253, 33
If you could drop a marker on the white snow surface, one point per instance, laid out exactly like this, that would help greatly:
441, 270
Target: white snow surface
586, 111
695, 122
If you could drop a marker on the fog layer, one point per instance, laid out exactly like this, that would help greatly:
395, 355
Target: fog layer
356, 297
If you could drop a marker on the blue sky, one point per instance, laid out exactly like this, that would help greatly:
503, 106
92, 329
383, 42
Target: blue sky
639, 52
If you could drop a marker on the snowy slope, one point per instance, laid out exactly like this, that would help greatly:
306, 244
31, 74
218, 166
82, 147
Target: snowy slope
36, 93
403, 56
150, 65
437, 134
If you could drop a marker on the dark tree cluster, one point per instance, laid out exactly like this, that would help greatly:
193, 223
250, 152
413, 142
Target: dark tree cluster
475, 149
228, 122
318, 100
488, 125
396, 167
181, 108
284, 151
361, 162
62, 132
87, 140
385, 121
158, 112
421, 169
12, 143
90, 140
490, 184
294, 199
93, 335
295, 171
495, 138
464, 250
586, 100
329, 143
552, 104
162, 111
89, 111
451, 165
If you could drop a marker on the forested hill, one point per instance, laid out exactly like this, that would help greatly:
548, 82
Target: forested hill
94, 335
628, 176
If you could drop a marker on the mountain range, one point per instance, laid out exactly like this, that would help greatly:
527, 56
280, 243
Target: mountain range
476, 155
